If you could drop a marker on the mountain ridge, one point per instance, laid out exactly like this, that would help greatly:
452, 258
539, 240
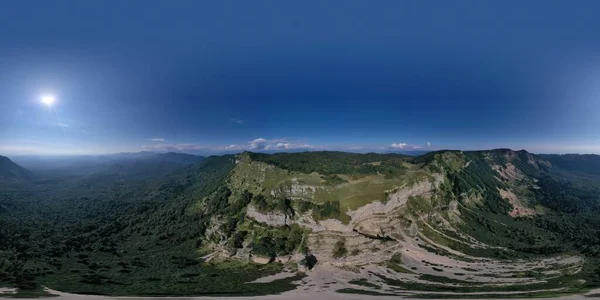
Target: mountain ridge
11, 170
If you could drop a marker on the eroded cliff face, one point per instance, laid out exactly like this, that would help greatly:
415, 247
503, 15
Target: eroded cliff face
395, 218
372, 219
384, 219
373, 231
412, 234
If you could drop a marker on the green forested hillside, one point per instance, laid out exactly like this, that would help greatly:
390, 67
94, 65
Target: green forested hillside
579, 163
571, 203
131, 237
331, 163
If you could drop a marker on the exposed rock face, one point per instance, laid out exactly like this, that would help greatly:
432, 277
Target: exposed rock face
370, 219
299, 190
518, 208
277, 218
334, 225
416, 230
374, 220
509, 171
263, 260
213, 229
517, 181
375, 217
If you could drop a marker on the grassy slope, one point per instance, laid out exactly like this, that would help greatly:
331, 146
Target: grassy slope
365, 179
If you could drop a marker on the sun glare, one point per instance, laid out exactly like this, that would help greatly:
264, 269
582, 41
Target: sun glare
47, 99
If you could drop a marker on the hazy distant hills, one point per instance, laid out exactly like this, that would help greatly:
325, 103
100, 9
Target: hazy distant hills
580, 163
11, 170
142, 164
152, 164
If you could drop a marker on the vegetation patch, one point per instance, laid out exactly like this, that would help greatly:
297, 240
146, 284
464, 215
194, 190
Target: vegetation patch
442, 279
363, 292
339, 250
365, 283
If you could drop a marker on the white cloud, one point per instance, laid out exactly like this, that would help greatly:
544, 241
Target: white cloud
239, 121
254, 145
408, 147
258, 143
173, 147
398, 145
157, 139
265, 144
233, 147
279, 146
287, 146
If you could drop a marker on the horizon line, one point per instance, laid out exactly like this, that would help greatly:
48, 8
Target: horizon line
271, 152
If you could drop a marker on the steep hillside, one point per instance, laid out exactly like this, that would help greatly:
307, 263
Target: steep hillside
473, 223
11, 170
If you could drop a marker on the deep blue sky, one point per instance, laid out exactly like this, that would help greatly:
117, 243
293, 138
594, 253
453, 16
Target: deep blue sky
214, 76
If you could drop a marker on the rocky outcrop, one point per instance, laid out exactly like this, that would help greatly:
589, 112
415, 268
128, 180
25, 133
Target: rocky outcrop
374, 218
263, 260
298, 190
508, 171
370, 219
519, 209
276, 218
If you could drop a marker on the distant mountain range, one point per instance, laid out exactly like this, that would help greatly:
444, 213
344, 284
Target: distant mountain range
149, 165
145, 164
580, 163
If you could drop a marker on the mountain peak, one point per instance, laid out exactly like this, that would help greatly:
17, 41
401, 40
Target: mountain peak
11, 170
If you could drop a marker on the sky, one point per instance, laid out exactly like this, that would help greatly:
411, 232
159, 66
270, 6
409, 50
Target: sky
213, 77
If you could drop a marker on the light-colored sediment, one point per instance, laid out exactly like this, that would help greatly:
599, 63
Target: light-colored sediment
274, 277
518, 208
5, 290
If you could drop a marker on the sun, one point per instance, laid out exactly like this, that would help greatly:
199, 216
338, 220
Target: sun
47, 99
